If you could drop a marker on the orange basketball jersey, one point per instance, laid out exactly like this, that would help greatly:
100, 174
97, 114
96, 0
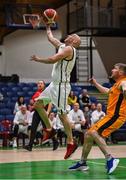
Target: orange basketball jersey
116, 101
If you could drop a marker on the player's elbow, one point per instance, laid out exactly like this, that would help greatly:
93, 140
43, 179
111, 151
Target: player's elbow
52, 60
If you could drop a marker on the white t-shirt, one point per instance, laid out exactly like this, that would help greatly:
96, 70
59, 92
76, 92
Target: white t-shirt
19, 117
76, 116
96, 116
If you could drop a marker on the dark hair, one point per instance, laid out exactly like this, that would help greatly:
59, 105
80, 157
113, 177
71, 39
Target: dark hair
18, 100
43, 83
122, 67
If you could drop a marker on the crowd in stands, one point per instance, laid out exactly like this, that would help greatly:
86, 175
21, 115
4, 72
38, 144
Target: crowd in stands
82, 112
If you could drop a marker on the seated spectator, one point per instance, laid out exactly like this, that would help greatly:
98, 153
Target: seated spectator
84, 99
72, 99
97, 114
92, 107
60, 130
77, 118
31, 105
1, 97
87, 115
21, 123
18, 104
52, 119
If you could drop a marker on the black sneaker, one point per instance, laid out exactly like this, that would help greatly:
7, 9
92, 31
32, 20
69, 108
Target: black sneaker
55, 145
28, 148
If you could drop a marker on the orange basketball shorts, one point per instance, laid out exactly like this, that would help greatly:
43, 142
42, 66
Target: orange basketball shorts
108, 124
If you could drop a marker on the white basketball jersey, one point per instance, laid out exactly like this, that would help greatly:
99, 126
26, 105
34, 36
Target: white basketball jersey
62, 69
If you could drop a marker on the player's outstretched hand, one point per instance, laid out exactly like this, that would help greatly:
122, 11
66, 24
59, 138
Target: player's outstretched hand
34, 58
92, 80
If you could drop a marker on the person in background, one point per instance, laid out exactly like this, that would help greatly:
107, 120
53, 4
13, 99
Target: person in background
72, 99
77, 121
76, 117
84, 99
97, 114
19, 103
92, 107
21, 123
31, 105
115, 117
87, 115
36, 119
53, 122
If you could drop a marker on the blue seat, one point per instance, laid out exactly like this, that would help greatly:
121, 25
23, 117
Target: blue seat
26, 89
107, 85
11, 84
2, 117
21, 93
2, 84
93, 99
4, 89
10, 117
27, 99
76, 93
21, 85
10, 93
14, 99
34, 89
32, 84
2, 105
30, 93
77, 88
10, 105
5, 111
6, 100
16, 89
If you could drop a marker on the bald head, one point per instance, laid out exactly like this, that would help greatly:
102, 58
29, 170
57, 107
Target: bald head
77, 40
73, 40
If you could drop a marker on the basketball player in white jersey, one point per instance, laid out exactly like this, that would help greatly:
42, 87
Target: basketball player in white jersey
58, 90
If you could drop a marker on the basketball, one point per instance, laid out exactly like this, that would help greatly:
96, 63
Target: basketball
50, 16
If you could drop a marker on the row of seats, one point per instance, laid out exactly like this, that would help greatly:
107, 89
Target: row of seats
12, 91
21, 84
7, 116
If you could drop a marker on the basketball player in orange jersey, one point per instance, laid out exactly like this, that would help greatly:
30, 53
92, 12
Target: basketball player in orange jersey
58, 90
114, 119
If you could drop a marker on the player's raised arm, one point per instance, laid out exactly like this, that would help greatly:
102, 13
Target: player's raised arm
51, 38
49, 18
101, 88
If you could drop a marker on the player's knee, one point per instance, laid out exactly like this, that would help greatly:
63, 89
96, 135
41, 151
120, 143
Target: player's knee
62, 117
87, 134
38, 104
91, 132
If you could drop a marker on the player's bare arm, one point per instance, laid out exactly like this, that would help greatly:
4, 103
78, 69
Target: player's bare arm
66, 53
101, 88
51, 38
123, 87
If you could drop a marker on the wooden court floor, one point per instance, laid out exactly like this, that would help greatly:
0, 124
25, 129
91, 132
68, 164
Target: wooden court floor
43, 163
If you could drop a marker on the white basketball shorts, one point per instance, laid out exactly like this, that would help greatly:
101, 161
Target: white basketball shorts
56, 93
